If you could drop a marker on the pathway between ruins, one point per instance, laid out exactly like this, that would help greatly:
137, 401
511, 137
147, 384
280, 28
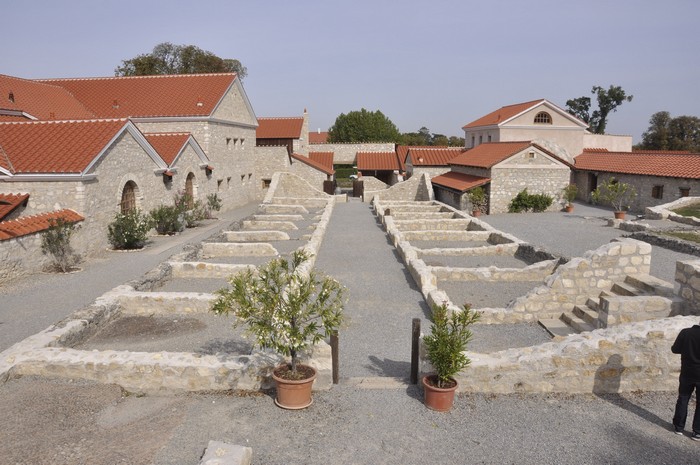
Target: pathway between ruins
382, 297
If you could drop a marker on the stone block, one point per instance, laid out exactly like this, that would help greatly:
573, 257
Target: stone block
221, 453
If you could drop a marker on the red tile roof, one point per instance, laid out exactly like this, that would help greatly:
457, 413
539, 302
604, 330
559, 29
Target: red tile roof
313, 163
36, 223
9, 202
168, 144
488, 154
323, 158
377, 161
279, 128
433, 156
42, 101
54, 146
648, 163
149, 96
502, 114
318, 137
459, 181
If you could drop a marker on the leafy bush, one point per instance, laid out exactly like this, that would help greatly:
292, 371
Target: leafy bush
570, 192
525, 201
477, 197
129, 230
55, 241
213, 204
447, 341
167, 219
618, 194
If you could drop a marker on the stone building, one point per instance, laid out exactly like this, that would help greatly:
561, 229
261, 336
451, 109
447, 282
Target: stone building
429, 160
505, 169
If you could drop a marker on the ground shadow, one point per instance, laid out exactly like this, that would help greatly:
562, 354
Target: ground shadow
225, 346
606, 386
389, 368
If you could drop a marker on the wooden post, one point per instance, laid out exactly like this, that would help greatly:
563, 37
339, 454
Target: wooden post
334, 356
415, 339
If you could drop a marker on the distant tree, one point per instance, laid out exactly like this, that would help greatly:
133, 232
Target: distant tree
667, 133
167, 58
413, 138
363, 126
455, 141
439, 139
608, 101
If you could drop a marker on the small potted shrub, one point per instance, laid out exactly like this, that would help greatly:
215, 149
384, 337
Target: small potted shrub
445, 346
615, 193
287, 310
569, 193
129, 230
477, 197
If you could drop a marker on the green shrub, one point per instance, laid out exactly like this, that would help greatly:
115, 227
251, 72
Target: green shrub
213, 204
618, 194
129, 230
167, 219
525, 201
55, 241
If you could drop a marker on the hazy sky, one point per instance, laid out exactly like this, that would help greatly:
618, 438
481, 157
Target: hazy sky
439, 64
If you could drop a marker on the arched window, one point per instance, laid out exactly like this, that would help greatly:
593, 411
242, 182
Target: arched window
128, 202
543, 118
189, 190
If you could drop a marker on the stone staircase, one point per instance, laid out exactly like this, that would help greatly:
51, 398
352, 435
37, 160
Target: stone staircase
638, 298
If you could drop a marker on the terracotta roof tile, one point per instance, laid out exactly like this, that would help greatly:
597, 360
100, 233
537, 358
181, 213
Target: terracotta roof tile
318, 137
54, 146
9, 202
168, 144
488, 154
648, 163
313, 163
41, 100
149, 96
433, 156
279, 128
459, 181
323, 158
502, 114
36, 223
377, 161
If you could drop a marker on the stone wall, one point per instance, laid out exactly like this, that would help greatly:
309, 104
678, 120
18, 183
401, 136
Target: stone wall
346, 154
624, 358
416, 188
688, 276
664, 211
269, 160
288, 185
507, 182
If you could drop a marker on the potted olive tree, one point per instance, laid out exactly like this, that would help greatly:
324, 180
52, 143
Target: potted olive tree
477, 197
445, 346
286, 309
615, 193
569, 193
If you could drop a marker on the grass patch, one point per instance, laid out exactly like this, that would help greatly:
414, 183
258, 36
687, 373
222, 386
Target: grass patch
685, 235
688, 210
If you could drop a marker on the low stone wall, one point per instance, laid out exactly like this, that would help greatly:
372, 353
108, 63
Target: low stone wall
688, 276
535, 272
272, 208
615, 310
455, 224
254, 225
446, 235
293, 186
255, 236
668, 242
234, 249
625, 358
663, 212
416, 188
205, 269
277, 217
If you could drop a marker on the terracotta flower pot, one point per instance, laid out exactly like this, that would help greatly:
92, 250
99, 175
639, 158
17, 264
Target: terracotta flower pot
619, 215
476, 213
440, 399
293, 394
569, 208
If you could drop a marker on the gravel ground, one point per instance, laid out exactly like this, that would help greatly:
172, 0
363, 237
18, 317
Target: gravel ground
205, 285
96, 424
486, 294
474, 261
492, 338
420, 244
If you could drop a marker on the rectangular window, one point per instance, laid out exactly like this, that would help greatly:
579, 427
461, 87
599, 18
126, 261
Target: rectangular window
685, 191
657, 192
473, 139
489, 137
243, 179
266, 183
218, 184
242, 143
481, 139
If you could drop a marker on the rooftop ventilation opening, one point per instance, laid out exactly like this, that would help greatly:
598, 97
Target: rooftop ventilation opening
11, 97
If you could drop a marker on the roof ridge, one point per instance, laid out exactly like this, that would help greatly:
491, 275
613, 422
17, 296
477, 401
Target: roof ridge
65, 121
149, 76
281, 117
177, 133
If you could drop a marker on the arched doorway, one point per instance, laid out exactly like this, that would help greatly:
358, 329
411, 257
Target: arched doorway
189, 190
128, 202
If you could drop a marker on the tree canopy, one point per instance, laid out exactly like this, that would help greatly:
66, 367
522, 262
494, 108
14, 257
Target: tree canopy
667, 133
425, 137
608, 101
363, 126
167, 58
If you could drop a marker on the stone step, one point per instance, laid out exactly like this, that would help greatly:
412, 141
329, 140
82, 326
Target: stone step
576, 323
625, 290
651, 285
556, 327
587, 314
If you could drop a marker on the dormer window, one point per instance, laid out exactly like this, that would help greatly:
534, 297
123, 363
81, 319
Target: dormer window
543, 118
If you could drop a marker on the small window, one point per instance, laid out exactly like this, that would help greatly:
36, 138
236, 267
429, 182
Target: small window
242, 178
218, 184
489, 139
228, 142
266, 183
657, 192
481, 139
235, 143
473, 140
543, 118
242, 143
685, 191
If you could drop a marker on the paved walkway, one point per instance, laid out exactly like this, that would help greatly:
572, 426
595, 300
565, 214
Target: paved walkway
32, 304
383, 299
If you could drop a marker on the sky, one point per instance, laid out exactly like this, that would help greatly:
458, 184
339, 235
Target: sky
435, 64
